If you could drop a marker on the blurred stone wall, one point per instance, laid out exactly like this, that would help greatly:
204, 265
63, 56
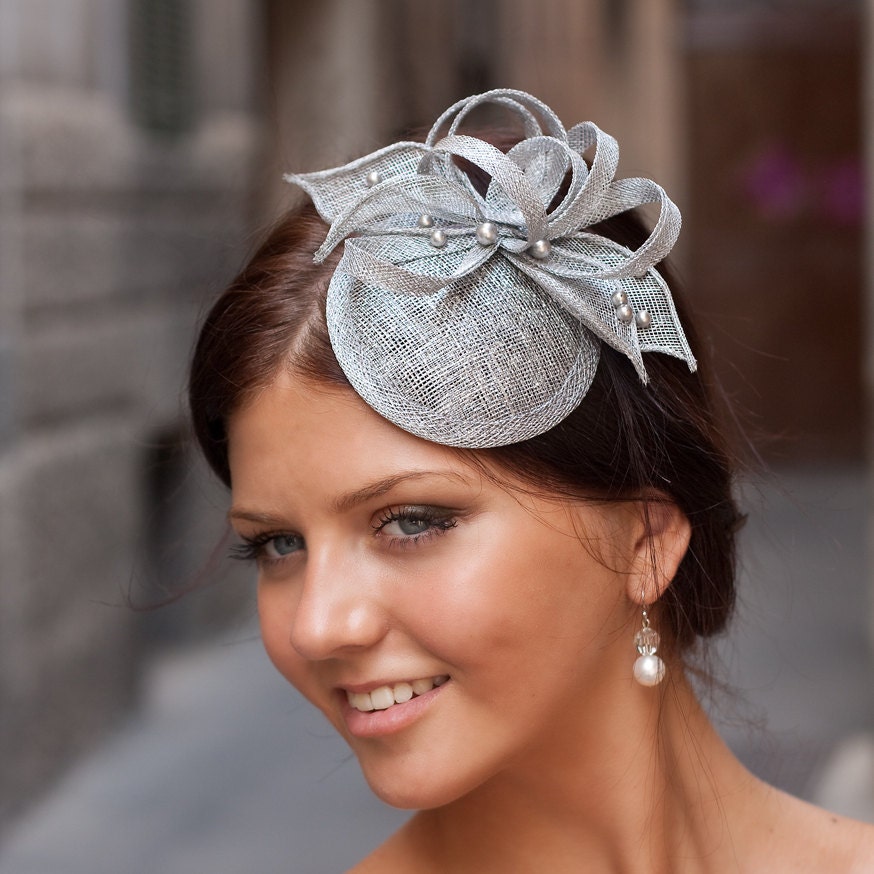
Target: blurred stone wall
127, 138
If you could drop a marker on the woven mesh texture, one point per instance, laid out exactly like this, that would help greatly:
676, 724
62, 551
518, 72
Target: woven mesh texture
450, 367
475, 320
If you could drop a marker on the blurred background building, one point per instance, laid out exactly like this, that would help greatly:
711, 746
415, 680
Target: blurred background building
141, 144
127, 141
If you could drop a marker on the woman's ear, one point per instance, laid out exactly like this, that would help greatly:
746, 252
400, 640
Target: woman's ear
662, 539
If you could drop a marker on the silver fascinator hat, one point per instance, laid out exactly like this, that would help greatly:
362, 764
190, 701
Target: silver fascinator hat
476, 320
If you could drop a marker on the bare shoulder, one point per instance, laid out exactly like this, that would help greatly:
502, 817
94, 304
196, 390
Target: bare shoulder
817, 841
852, 844
860, 838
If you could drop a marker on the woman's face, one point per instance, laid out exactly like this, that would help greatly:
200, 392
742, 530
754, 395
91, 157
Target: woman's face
389, 570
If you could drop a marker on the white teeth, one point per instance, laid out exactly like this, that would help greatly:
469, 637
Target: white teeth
382, 698
360, 700
403, 693
385, 696
420, 687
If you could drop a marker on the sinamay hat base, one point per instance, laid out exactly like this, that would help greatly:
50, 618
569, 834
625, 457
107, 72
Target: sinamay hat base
476, 321
519, 371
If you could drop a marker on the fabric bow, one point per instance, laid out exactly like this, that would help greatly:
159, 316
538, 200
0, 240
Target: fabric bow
415, 226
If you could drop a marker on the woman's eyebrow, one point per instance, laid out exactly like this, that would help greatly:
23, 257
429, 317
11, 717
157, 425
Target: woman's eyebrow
381, 486
352, 499
254, 516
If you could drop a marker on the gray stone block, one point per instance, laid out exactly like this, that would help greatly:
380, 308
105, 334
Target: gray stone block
80, 502
72, 141
14, 674
63, 138
86, 682
80, 142
69, 523
150, 255
136, 366
9, 413
47, 40
70, 258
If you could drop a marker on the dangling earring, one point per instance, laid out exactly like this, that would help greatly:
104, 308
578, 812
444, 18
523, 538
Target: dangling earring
649, 669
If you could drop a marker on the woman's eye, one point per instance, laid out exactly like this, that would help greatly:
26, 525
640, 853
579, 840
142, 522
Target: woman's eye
412, 524
282, 545
268, 547
407, 525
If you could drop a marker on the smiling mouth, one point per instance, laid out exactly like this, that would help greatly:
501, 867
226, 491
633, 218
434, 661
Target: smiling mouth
384, 697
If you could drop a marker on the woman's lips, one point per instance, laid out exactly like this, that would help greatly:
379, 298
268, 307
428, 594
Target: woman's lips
380, 717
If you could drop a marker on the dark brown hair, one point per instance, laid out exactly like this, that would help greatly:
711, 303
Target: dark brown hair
625, 441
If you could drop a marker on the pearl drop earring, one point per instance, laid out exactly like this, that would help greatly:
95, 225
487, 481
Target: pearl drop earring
649, 669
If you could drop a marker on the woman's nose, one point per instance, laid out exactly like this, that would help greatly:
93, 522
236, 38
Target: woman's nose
338, 608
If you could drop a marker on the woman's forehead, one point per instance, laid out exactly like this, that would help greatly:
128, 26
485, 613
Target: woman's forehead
300, 429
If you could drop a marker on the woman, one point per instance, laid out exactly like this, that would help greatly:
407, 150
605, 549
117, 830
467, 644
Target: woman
490, 509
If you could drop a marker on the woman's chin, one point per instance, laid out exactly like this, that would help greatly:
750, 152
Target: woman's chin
413, 794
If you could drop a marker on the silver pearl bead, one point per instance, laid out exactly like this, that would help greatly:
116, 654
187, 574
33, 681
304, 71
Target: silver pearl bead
649, 670
619, 298
643, 319
540, 250
426, 221
372, 178
486, 233
438, 238
625, 314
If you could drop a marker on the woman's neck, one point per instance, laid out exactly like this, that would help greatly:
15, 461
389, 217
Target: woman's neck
656, 790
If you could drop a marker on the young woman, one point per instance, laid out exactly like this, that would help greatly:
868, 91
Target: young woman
490, 508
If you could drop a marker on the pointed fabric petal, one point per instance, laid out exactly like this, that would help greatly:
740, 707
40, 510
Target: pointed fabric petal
336, 190
588, 299
647, 292
581, 273
403, 200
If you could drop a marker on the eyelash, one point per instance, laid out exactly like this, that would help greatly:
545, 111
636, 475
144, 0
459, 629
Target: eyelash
439, 521
253, 549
